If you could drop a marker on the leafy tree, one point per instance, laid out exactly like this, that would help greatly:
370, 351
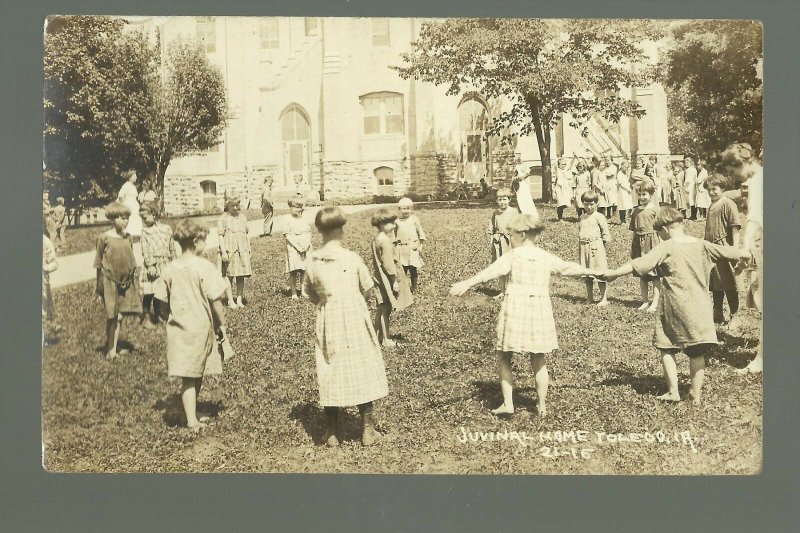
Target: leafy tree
713, 84
544, 68
112, 104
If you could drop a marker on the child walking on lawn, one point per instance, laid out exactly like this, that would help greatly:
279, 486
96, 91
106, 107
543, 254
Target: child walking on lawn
525, 323
158, 249
350, 368
410, 237
190, 289
722, 227
298, 243
234, 247
645, 238
684, 320
393, 291
593, 237
116, 265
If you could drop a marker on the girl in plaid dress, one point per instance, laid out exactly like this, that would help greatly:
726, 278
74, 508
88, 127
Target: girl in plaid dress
158, 249
350, 369
525, 323
234, 247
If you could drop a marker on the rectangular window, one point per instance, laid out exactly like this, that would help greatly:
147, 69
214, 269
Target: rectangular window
269, 33
311, 25
383, 114
380, 32
206, 32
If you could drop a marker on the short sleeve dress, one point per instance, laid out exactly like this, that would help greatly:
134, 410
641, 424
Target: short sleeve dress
599, 186
690, 186
298, 242
233, 236
684, 317
158, 249
114, 257
350, 368
593, 234
702, 198
384, 260
645, 237
563, 187
583, 183
722, 217
525, 323
500, 240
409, 236
189, 287
611, 186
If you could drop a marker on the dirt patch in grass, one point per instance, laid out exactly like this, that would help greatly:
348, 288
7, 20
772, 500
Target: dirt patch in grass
126, 416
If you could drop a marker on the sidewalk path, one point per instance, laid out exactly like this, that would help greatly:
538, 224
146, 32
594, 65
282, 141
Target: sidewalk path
78, 268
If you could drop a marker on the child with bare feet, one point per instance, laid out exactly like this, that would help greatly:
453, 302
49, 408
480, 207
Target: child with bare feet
393, 289
116, 265
645, 238
195, 288
499, 238
593, 237
525, 323
684, 319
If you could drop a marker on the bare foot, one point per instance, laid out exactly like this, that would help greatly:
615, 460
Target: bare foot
669, 397
204, 418
111, 356
752, 368
197, 427
696, 399
643, 307
653, 307
602, 303
370, 436
503, 410
388, 343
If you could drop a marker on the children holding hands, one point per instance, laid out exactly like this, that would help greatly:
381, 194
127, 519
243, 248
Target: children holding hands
525, 323
593, 237
684, 319
191, 289
298, 243
645, 238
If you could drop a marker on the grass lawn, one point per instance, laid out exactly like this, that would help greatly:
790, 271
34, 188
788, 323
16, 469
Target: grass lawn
126, 416
84, 238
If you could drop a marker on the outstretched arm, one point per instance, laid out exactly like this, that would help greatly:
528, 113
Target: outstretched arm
499, 268
611, 275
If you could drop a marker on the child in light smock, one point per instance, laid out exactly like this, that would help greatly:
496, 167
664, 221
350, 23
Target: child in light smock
234, 248
410, 237
593, 237
298, 243
525, 323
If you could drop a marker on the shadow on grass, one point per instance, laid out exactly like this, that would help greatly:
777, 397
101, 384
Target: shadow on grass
312, 417
173, 414
488, 291
488, 393
581, 300
734, 351
645, 385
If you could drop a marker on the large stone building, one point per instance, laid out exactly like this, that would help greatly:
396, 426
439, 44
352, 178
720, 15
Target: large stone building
314, 101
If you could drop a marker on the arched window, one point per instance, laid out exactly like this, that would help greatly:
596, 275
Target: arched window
473, 120
296, 138
209, 194
385, 178
383, 113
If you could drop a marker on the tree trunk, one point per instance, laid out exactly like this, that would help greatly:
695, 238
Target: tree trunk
543, 141
160, 172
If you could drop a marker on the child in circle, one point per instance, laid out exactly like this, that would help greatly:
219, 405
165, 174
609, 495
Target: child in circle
116, 266
525, 323
350, 368
410, 237
563, 186
59, 215
593, 237
190, 291
499, 239
624, 189
583, 183
49, 264
679, 198
234, 247
610, 186
645, 238
393, 290
722, 227
598, 174
703, 199
158, 249
298, 242
684, 320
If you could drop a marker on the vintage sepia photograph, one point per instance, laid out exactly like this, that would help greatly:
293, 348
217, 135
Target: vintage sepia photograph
402, 245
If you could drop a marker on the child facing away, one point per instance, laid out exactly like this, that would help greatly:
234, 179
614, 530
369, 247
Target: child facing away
158, 249
684, 321
593, 237
190, 289
116, 266
298, 242
350, 368
722, 227
410, 237
525, 323
393, 290
645, 238
49, 264
234, 248
499, 238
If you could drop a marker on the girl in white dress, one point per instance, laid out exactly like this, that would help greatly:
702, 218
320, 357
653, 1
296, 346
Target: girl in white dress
624, 198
